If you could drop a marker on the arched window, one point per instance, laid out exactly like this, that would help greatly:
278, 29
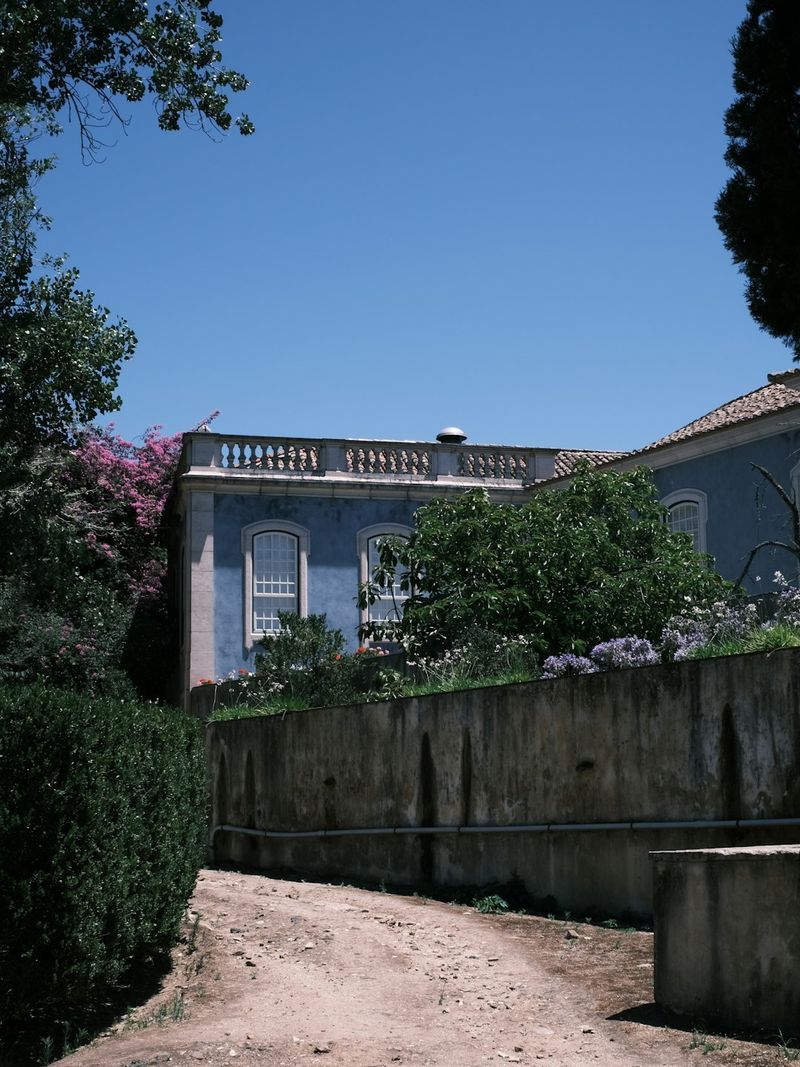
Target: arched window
275, 575
389, 605
687, 513
275, 585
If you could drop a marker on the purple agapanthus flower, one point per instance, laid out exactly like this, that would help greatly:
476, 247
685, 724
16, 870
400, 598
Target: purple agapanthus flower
622, 652
566, 665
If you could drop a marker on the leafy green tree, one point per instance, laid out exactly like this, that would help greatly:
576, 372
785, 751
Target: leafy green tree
60, 360
60, 356
88, 55
78, 559
758, 211
59, 365
568, 569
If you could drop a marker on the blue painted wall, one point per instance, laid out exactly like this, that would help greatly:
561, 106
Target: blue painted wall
333, 525
742, 508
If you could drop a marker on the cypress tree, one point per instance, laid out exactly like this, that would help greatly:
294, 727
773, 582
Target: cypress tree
758, 211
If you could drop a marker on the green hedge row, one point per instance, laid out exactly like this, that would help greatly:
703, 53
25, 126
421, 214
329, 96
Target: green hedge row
101, 828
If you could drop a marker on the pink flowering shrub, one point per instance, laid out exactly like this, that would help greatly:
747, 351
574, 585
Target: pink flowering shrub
88, 579
121, 489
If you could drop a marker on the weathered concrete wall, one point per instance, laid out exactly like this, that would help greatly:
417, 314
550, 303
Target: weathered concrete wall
706, 740
727, 935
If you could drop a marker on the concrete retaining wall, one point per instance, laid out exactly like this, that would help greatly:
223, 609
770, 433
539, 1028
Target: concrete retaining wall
705, 740
727, 936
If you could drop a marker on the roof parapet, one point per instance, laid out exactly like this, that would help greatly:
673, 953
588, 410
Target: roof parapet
295, 457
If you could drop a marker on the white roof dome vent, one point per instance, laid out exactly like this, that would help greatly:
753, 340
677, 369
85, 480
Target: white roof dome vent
451, 435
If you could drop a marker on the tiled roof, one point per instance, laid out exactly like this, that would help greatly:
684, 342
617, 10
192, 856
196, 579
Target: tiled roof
569, 457
767, 400
777, 396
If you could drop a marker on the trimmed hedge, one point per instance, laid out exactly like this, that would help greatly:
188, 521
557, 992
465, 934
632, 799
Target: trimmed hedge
102, 807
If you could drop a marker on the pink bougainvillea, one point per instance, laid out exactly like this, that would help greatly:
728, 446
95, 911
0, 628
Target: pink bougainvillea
120, 489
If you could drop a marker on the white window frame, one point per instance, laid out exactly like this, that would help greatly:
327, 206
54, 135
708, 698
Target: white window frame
303, 551
794, 482
692, 496
380, 529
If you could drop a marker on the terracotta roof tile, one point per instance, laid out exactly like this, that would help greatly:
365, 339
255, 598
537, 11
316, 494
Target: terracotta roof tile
777, 396
767, 400
567, 459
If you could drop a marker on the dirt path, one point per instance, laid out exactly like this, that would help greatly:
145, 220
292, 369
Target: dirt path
293, 973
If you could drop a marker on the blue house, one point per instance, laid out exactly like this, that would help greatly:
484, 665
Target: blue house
268, 524
705, 475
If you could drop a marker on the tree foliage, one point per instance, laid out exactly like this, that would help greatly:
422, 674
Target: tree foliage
60, 360
87, 55
60, 356
83, 598
82, 558
758, 211
568, 569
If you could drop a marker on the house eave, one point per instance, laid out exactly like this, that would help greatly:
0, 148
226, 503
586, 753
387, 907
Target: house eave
706, 444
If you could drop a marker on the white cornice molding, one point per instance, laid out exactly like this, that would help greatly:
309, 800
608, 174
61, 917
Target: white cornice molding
209, 481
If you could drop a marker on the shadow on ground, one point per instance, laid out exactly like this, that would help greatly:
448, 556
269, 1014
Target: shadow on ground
55, 1032
513, 892
652, 1015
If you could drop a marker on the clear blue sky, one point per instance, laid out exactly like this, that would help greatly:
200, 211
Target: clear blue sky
494, 213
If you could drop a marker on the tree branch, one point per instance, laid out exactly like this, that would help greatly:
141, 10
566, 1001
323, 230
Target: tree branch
795, 551
788, 500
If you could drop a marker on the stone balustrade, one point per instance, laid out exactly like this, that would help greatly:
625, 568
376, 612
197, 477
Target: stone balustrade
250, 456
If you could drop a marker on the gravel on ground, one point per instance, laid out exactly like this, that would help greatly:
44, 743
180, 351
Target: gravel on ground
286, 973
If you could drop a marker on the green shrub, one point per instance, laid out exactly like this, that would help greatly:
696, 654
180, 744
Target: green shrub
767, 638
307, 661
490, 905
81, 650
101, 830
567, 570
487, 655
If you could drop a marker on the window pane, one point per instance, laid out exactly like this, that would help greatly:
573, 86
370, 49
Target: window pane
389, 604
274, 579
265, 613
685, 518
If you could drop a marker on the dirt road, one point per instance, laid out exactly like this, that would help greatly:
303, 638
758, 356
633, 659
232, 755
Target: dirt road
294, 973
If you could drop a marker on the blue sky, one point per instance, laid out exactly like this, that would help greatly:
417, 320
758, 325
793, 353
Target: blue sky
494, 213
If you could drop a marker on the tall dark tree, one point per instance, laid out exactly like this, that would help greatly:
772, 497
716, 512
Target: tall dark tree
758, 211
